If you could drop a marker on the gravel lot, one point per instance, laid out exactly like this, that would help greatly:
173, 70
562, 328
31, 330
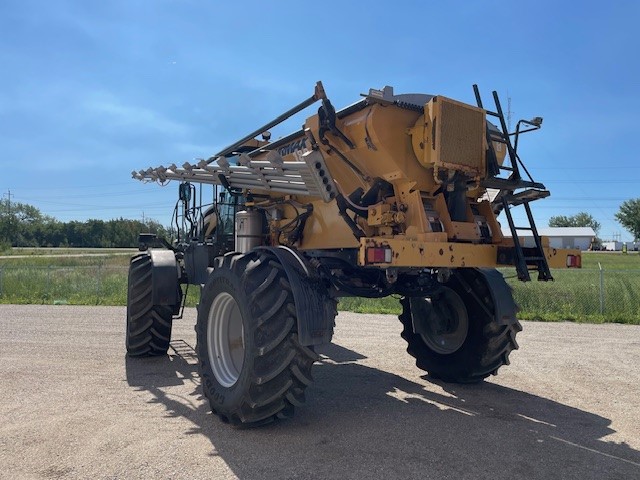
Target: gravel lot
73, 406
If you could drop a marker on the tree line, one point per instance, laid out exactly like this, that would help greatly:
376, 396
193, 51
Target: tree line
23, 225
628, 216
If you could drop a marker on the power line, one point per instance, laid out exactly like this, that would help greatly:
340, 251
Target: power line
87, 186
8, 195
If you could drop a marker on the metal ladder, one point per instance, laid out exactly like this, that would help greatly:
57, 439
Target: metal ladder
526, 259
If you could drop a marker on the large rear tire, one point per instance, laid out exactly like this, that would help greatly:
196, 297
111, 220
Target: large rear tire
148, 325
469, 334
252, 366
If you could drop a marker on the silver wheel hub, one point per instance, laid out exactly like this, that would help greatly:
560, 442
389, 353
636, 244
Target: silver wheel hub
225, 339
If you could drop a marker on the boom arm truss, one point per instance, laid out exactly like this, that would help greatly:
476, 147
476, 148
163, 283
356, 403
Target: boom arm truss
307, 177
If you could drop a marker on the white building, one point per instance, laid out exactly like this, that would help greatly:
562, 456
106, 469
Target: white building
616, 246
559, 237
613, 246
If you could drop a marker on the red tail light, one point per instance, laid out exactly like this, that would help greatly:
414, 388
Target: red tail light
378, 255
574, 261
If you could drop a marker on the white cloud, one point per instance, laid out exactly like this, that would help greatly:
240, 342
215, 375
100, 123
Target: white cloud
194, 150
277, 86
125, 115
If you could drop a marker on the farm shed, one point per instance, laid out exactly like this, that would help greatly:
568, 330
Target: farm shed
559, 237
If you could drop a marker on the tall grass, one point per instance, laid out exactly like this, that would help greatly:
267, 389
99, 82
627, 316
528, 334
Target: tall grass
574, 295
59, 251
79, 285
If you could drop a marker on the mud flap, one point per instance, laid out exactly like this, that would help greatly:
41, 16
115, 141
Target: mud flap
164, 277
420, 315
505, 307
314, 310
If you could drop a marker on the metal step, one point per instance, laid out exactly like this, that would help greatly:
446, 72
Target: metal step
510, 184
505, 199
528, 195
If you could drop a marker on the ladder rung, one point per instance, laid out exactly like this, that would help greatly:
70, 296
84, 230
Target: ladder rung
524, 264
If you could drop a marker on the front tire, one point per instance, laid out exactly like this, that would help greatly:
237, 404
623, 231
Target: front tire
148, 325
476, 329
252, 366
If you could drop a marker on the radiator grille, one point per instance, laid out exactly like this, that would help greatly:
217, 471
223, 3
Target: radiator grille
460, 136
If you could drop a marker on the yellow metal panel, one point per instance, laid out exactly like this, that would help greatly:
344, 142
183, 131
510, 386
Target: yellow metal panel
411, 253
557, 257
326, 229
415, 216
408, 253
465, 231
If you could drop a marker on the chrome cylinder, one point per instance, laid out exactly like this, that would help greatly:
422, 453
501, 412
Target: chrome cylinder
248, 230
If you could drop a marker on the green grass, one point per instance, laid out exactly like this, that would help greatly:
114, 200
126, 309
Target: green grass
75, 284
575, 293
611, 260
39, 279
371, 305
36, 251
574, 296
110, 260
73, 280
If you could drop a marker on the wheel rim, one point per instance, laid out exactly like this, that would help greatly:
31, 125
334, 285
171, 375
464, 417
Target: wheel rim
448, 324
225, 339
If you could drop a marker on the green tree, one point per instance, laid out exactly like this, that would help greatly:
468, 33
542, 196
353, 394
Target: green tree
18, 222
581, 219
23, 225
629, 216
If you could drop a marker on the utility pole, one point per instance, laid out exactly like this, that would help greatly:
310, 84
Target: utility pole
8, 195
9, 233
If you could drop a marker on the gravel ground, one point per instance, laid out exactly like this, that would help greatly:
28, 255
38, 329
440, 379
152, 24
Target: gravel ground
72, 405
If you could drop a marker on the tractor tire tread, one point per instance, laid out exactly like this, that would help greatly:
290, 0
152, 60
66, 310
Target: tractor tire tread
148, 326
488, 344
280, 367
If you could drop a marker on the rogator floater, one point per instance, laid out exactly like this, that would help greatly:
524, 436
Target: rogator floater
395, 194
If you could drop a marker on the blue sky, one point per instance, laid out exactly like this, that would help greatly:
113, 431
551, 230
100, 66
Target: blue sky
91, 90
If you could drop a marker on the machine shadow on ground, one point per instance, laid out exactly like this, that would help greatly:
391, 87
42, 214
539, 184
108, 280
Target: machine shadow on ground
361, 422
